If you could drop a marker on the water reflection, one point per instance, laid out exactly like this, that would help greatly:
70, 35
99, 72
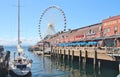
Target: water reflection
74, 69
46, 66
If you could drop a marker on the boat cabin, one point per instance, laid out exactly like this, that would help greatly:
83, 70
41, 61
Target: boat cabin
21, 66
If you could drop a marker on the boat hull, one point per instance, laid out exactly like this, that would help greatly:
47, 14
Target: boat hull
13, 74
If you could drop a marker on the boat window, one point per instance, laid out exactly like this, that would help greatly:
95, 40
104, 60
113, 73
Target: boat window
21, 66
19, 61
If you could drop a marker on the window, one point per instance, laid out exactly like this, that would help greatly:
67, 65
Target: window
108, 30
93, 31
104, 31
90, 31
115, 29
100, 28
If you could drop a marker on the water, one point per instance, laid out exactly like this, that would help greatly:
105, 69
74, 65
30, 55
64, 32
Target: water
54, 67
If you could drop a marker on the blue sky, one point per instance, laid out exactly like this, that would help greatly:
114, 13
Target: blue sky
79, 13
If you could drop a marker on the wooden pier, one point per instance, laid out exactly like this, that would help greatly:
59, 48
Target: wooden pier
83, 53
4, 61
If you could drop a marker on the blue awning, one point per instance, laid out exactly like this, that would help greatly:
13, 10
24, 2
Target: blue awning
92, 43
81, 43
78, 43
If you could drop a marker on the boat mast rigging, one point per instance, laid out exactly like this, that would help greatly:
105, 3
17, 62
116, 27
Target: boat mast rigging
20, 49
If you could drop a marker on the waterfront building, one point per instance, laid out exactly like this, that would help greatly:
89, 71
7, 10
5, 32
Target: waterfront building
88, 33
111, 31
71, 35
105, 33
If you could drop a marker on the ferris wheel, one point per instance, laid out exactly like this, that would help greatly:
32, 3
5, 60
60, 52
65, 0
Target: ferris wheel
47, 22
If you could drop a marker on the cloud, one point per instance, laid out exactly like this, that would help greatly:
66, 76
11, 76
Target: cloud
25, 41
7, 42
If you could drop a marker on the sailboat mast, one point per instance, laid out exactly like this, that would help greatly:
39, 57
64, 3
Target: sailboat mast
18, 21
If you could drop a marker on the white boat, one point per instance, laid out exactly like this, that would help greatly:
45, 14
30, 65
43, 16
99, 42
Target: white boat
118, 75
20, 66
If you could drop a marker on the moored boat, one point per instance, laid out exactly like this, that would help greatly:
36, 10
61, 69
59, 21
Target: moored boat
20, 66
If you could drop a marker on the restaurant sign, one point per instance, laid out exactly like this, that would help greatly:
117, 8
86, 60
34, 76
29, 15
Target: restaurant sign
79, 36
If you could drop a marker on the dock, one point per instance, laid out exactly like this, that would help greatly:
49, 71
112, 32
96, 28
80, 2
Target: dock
83, 53
4, 61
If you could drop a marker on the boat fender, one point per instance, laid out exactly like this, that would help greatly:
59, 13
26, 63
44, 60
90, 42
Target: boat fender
1, 60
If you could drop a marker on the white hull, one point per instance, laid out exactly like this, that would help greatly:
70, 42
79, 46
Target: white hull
20, 72
20, 67
16, 73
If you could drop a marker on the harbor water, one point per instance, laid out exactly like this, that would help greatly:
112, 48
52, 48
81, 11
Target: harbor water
55, 67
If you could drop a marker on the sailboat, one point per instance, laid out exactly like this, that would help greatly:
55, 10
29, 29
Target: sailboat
20, 66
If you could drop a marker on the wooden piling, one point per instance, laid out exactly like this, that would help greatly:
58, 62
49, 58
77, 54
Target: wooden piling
60, 57
119, 67
60, 53
63, 54
53, 53
95, 58
68, 54
68, 57
99, 66
80, 57
51, 49
85, 58
56, 53
72, 56
57, 57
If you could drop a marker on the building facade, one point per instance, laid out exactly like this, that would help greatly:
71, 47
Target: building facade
106, 33
111, 31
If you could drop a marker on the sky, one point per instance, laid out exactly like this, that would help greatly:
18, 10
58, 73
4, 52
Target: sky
79, 13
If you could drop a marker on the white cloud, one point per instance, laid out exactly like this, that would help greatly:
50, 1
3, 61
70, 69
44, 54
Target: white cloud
25, 41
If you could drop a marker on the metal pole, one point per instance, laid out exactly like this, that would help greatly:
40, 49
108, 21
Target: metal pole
18, 21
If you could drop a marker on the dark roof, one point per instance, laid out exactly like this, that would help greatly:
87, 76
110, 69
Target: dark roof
89, 26
101, 38
85, 27
113, 36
